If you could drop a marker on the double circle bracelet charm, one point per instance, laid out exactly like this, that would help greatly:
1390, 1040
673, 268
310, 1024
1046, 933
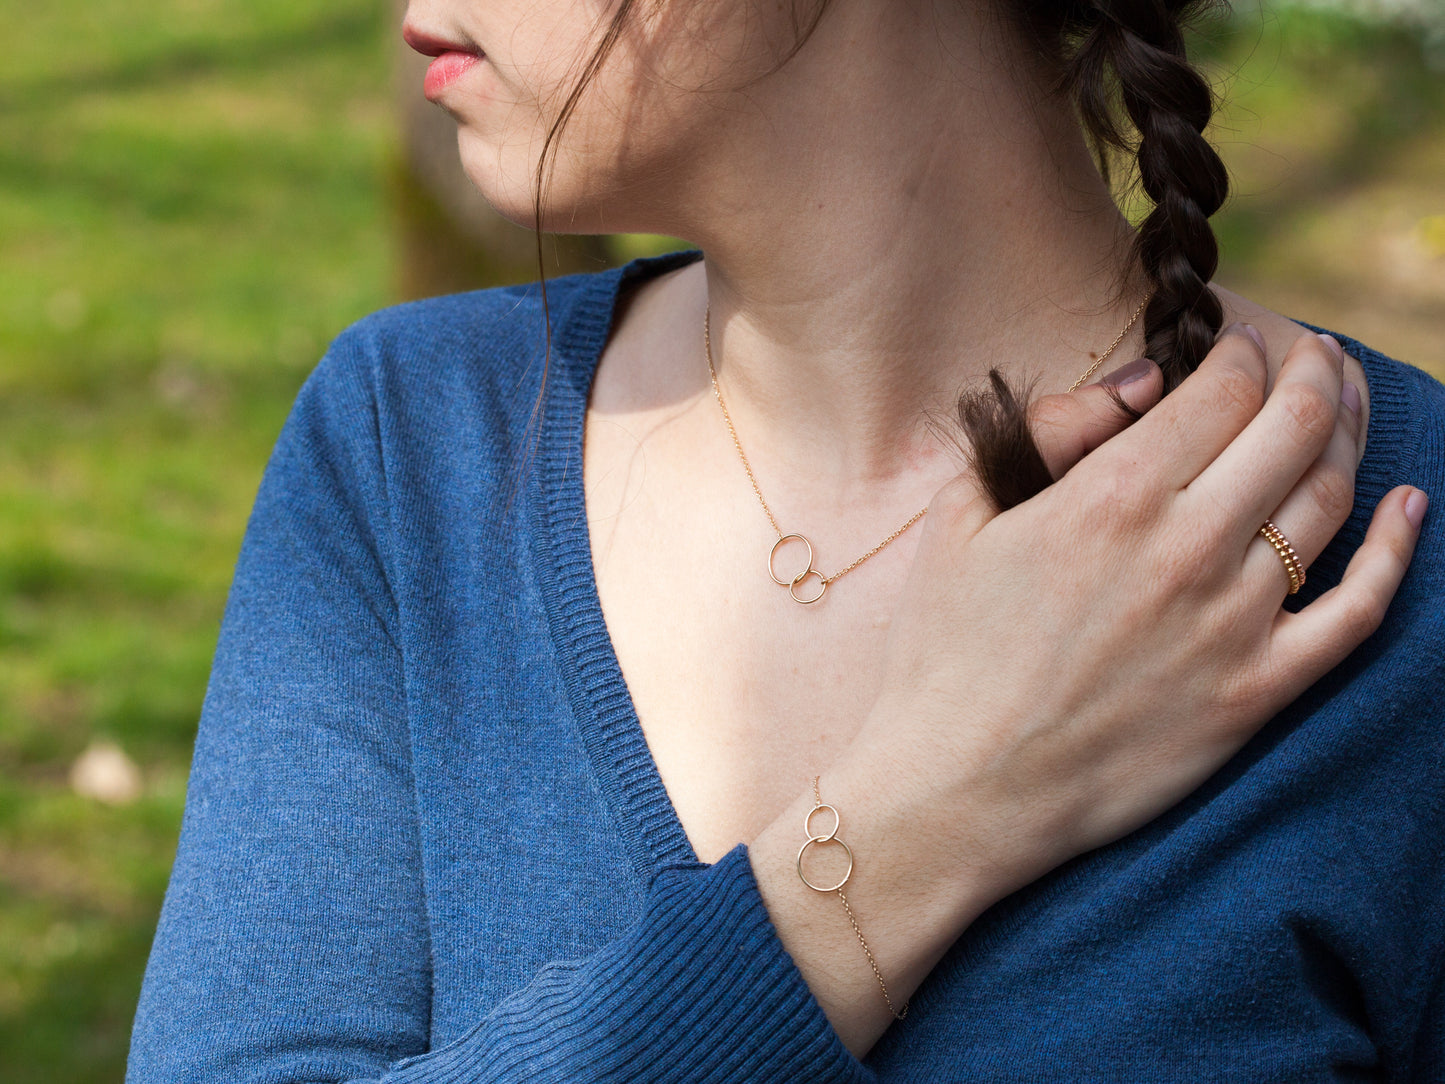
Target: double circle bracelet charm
823, 840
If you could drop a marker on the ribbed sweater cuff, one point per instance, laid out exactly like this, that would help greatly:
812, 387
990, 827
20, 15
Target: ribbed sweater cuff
700, 990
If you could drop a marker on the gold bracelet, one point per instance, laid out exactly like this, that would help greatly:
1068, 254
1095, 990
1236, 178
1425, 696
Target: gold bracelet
823, 840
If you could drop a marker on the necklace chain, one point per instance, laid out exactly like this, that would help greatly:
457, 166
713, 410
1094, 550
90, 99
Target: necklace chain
824, 581
1094, 368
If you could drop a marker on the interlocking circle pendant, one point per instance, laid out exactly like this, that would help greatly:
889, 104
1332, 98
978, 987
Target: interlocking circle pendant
793, 584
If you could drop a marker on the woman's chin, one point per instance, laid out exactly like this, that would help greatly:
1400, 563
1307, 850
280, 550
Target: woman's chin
513, 197
509, 191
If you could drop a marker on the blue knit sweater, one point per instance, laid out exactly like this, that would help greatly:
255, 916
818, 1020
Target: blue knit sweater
425, 841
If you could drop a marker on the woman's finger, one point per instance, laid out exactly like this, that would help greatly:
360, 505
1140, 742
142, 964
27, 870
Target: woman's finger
1070, 425
1256, 472
960, 509
1184, 434
1319, 503
1318, 638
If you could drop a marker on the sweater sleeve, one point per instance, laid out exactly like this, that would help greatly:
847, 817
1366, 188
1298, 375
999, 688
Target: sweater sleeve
293, 943
1428, 1057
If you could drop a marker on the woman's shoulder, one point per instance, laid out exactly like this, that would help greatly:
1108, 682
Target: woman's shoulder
1405, 445
420, 382
500, 344
1405, 442
479, 335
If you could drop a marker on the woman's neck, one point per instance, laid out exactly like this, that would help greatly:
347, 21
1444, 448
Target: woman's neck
898, 210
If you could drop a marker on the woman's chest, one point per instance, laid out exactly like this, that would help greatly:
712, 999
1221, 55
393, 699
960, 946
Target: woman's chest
740, 704
1256, 932
742, 693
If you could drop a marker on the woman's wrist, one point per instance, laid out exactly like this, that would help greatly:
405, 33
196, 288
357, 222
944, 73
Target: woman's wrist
914, 888
927, 831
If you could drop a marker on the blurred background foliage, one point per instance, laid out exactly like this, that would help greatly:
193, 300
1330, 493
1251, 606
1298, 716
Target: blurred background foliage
196, 195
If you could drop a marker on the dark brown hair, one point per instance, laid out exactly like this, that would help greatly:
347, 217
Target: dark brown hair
1124, 64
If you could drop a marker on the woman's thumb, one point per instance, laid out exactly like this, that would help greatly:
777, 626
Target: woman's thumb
1070, 425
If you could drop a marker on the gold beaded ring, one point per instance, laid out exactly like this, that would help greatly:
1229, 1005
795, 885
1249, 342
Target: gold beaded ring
1293, 567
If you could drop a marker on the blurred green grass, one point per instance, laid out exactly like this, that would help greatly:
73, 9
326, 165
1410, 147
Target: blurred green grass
1334, 133
191, 205
194, 199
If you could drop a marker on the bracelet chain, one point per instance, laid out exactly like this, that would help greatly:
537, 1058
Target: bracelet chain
832, 837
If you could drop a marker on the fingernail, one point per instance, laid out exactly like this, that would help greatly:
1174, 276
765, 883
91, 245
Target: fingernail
1335, 348
1127, 374
1253, 333
1350, 396
1415, 506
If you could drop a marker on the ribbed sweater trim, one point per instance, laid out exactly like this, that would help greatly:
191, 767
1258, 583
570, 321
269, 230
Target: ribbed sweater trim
653, 999
606, 716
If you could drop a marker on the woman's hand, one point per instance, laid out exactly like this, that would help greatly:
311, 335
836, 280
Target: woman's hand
1086, 659
1059, 674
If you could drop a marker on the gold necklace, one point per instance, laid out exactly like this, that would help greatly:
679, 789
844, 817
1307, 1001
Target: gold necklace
824, 581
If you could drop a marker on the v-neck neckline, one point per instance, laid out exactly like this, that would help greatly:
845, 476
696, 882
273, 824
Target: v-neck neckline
607, 719
602, 704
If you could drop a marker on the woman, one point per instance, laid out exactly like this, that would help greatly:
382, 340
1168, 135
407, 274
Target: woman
1109, 813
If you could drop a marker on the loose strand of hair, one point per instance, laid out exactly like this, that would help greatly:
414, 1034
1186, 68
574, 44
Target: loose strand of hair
546, 163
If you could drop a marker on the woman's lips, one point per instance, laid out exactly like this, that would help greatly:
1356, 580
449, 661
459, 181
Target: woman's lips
445, 70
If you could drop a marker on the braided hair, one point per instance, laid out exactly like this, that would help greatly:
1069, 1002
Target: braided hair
1169, 105
1125, 57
